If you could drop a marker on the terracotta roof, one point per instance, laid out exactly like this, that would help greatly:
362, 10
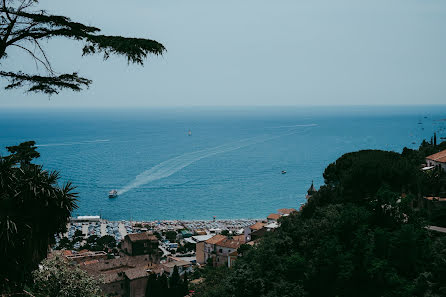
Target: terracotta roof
215, 239
177, 263
111, 278
90, 262
436, 199
137, 272
67, 253
286, 210
240, 238
274, 216
229, 243
141, 237
257, 226
438, 157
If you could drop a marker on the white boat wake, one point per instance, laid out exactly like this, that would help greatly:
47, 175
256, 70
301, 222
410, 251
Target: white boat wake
171, 166
74, 143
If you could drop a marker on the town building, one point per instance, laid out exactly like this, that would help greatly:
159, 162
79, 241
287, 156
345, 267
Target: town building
217, 249
273, 217
124, 276
438, 159
140, 244
286, 211
183, 266
248, 231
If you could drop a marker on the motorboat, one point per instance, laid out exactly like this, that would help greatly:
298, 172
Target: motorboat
283, 171
113, 194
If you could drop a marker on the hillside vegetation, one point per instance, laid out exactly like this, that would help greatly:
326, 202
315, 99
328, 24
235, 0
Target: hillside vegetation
361, 234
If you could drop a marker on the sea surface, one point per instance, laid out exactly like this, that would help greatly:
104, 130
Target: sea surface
231, 165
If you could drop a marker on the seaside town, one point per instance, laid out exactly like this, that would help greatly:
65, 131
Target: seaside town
124, 254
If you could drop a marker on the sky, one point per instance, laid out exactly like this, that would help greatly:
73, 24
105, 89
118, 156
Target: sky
252, 53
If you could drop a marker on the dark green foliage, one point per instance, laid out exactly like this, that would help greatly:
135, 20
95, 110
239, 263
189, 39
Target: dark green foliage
171, 236
356, 237
162, 286
33, 207
24, 27
225, 232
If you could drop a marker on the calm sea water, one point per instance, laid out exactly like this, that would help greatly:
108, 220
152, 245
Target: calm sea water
230, 167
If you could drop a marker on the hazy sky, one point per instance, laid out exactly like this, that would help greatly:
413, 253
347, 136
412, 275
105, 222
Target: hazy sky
255, 52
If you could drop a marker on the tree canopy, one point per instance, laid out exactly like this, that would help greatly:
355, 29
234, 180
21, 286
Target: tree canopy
358, 236
33, 207
24, 27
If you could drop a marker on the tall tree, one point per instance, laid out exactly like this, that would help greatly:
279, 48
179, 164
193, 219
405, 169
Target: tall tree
24, 27
33, 207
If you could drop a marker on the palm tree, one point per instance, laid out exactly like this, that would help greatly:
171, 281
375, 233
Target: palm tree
33, 208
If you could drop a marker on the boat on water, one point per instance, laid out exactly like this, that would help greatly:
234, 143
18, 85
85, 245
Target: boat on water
189, 133
113, 194
283, 171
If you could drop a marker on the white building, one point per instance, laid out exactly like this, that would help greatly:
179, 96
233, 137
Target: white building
438, 159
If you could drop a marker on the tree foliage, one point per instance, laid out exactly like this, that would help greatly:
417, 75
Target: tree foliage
33, 207
57, 278
24, 27
358, 236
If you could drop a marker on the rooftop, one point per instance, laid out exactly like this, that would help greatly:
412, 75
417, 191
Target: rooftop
257, 226
134, 237
215, 239
286, 210
230, 243
438, 157
274, 216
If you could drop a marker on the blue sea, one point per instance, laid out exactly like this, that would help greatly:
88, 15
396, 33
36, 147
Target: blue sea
229, 167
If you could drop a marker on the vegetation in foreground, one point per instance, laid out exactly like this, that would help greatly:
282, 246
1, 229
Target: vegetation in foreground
359, 235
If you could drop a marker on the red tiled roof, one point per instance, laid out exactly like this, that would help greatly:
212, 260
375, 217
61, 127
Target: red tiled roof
257, 226
435, 199
67, 253
274, 216
229, 243
215, 239
438, 157
286, 210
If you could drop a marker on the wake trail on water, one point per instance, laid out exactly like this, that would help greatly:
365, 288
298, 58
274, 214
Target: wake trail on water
74, 143
171, 166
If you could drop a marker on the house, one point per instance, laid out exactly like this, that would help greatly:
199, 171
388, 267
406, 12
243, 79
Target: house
199, 240
124, 276
251, 229
183, 266
286, 211
218, 249
273, 217
140, 244
438, 159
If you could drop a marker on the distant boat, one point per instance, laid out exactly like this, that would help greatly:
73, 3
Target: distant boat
113, 194
189, 133
283, 171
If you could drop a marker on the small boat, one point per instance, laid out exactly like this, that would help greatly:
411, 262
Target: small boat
283, 171
189, 133
113, 194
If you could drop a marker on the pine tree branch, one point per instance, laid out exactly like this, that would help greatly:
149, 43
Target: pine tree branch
45, 84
